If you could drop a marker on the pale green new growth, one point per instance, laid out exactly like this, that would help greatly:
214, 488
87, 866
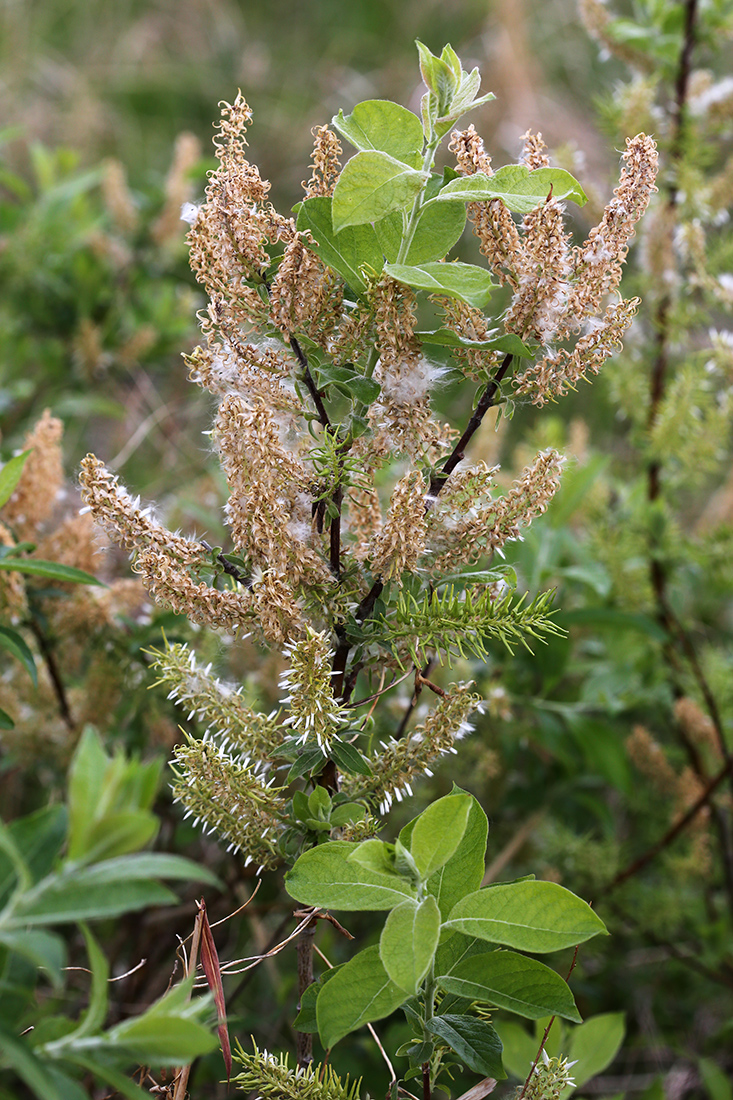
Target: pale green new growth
270, 1077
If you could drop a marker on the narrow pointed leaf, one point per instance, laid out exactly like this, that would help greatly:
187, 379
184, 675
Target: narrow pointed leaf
509, 342
52, 570
514, 982
531, 916
212, 970
474, 1041
12, 470
15, 643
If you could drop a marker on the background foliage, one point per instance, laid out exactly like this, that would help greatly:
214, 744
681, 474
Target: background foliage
595, 745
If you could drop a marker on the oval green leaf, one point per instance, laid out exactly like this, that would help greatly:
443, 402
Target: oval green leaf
439, 228
464, 281
371, 186
347, 251
379, 124
361, 992
408, 942
509, 342
437, 832
520, 189
531, 916
324, 876
514, 982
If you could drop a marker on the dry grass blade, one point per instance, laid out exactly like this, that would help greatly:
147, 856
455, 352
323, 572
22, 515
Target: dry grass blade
210, 963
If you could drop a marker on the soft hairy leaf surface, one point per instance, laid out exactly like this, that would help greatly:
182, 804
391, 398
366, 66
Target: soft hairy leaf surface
439, 228
437, 832
346, 251
520, 188
531, 916
514, 982
361, 992
379, 124
371, 186
464, 871
464, 281
325, 876
408, 942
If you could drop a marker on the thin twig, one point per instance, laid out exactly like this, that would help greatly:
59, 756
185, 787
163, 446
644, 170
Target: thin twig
547, 1031
671, 833
488, 399
372, 1032
57, 682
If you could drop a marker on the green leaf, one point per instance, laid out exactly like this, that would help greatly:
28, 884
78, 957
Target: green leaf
375, 855
58, 900
514, 982
474, 1041
325, 876
345, 252
520, 1047
29, 847
359, 993
464, 871
372, 185
717, 1083
11, 471
52, 570
119, 1081
347, 813
437, 832
464, 281
434, 235
6, 722
379, 124
348, 758
157, 1039
96, 1011
531, 916
365, 390
15, 643
408, 942
306, 1020
306, 761
30, 1068
106, 889
43, 949
509, 343
595, 1044
520, 188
